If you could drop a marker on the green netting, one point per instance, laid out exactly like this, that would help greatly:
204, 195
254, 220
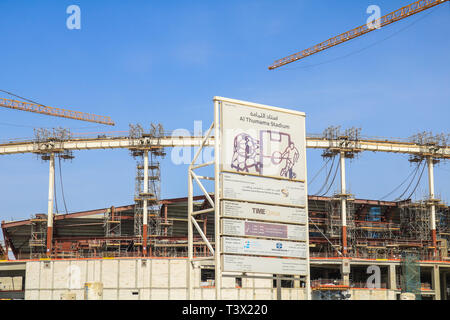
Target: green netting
411, 274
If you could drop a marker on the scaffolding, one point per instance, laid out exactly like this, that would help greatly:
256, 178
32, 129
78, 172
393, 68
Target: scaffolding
410, 277
415, 221
152, 197
333, 225
443, 221
112, 224
45, 139
375, 231
37, 242
151, 194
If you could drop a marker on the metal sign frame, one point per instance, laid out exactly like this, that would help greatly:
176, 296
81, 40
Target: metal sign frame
216, 255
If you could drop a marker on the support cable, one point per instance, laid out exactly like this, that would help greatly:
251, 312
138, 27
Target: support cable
327, 178
417, 184
332, 182
15, 95
410, 183
401, 184
62, 186
317, 174
55, 197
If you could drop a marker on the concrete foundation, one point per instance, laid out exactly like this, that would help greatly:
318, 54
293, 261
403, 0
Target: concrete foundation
138, 279
161, 278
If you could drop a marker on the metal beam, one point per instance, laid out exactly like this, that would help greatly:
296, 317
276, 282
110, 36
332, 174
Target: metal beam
217, 257
51, 185
56, 112
432, 202
402, 13
343, 204
147, 143
145, 206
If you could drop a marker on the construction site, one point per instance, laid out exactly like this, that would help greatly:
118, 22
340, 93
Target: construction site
147, 248
407, 239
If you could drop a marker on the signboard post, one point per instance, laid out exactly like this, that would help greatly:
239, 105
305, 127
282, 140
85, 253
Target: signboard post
260, 197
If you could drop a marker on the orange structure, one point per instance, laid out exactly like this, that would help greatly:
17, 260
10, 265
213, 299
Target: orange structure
57, 112
392, 17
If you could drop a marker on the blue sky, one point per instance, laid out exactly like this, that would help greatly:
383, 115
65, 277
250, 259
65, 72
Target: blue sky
163, 61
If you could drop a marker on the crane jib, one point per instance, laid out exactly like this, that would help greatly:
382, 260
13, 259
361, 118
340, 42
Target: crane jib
399, 14
57, 112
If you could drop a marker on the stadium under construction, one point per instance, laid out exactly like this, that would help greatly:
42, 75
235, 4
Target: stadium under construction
140, 250
252, 231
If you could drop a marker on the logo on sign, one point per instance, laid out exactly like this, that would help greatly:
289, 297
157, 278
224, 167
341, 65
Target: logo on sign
259, 211
279, 245
247, 244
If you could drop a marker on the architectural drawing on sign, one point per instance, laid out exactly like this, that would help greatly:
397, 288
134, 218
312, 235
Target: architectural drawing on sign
245, 153
249, 154
290, 155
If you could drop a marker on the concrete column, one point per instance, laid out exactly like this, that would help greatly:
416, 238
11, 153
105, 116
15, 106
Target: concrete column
444, 286
278, 281
144, 207
343, 204
345, 272
436, 282
432, 207
346, 279
297, 282
392, 277
51, 186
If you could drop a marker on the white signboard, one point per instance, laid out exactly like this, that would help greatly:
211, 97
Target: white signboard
265, 190
262, 188
263, 212
265, 265
263, 140
275, 248
234, 227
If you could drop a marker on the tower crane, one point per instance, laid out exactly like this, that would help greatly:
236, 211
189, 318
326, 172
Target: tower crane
57, 112
392, 17
402, 13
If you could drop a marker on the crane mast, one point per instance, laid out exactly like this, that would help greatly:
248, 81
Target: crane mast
392, 17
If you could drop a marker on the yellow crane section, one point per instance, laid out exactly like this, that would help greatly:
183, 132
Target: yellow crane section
392, 17
57, 112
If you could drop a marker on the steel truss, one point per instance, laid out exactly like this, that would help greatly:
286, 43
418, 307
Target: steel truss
192, 222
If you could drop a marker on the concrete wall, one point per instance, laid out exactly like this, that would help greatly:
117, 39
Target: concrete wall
137, 279
372, 294
10, 283
143, 279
